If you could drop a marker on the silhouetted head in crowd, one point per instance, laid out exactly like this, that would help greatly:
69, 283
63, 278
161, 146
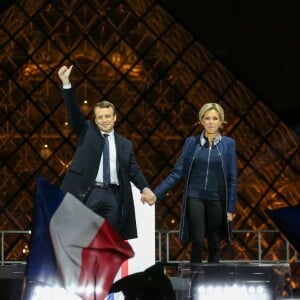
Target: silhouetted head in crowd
148, 285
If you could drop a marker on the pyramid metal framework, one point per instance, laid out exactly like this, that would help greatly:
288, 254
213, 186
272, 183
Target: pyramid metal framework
135, 54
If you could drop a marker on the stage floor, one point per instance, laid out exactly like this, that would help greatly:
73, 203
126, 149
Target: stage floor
257, 281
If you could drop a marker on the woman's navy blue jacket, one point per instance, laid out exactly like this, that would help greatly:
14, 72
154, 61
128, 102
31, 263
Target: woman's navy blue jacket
182, 169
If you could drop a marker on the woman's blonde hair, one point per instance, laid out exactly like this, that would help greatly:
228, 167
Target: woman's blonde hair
209, 106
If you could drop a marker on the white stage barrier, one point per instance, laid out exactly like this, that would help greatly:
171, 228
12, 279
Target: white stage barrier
144, 245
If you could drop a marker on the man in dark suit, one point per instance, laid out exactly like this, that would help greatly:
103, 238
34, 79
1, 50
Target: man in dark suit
106, 189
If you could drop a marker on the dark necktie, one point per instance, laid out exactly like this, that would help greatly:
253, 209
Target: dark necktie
106, 167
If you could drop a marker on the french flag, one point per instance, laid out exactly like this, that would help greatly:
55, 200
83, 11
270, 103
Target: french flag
73, 247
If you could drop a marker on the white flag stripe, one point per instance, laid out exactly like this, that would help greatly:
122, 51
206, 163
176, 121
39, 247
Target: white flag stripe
72, 220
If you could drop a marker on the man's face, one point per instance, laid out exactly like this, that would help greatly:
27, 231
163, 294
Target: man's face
105, 119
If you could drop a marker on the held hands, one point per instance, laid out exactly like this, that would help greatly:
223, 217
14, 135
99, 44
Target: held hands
148, 196
64, 74
229, 216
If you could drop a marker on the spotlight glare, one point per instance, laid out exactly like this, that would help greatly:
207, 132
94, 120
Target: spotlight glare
251, 290
51, 293
232, 292
260, 289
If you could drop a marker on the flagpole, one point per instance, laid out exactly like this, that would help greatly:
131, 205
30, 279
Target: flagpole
24, 287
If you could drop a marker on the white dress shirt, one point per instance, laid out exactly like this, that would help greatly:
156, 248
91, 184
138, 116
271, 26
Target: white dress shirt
112, 161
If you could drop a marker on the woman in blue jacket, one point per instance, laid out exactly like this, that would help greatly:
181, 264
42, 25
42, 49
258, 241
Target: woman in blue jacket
208, 165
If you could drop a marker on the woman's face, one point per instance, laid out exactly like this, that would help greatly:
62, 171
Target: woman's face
211, 121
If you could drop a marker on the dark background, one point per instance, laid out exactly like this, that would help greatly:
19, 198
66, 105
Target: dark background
259, 41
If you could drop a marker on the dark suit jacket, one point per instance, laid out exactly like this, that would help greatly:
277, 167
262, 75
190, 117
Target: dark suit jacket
83, 169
